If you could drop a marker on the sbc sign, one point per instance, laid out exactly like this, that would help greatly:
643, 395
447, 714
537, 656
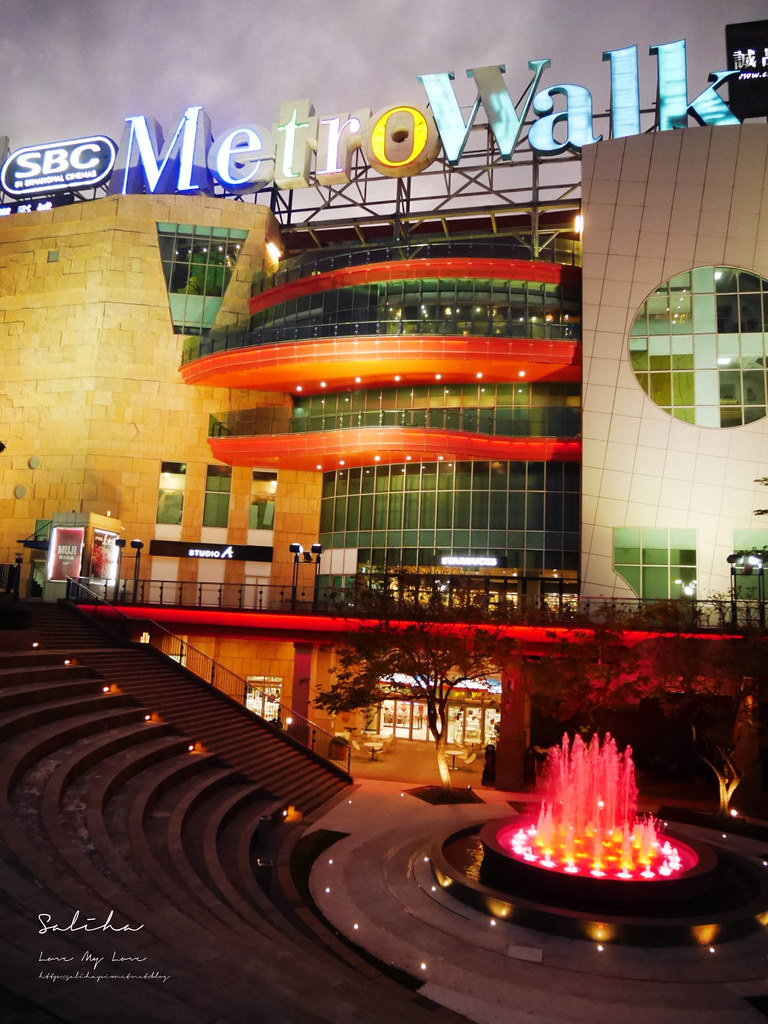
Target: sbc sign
58, 166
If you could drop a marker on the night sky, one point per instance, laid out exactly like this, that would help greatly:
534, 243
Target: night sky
79, 67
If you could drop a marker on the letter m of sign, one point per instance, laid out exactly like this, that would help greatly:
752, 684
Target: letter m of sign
145, 163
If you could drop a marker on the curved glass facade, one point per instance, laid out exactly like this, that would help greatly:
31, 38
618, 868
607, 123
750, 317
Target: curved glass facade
698, 346
472, 307
566, 251
412, 514
501, 410
505, 410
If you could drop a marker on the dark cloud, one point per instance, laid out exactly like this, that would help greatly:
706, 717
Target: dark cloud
82, 66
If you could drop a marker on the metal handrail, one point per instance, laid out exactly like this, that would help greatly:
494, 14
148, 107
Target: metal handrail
360, 594
174, 647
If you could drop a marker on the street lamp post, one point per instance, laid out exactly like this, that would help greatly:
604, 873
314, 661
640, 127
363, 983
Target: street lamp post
317, 550
757, 562
732, 560
300, 554
137, 545
296, 550
120, 545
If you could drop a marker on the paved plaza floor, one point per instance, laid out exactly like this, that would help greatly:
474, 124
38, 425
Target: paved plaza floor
374, 884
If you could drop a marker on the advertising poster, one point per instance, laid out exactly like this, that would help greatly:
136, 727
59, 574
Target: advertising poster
103, 556
65, 553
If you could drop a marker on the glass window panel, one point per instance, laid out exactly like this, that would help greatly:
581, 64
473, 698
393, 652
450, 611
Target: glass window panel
730, 387
727, 314
631, 575
215, 509
725, 279
480, 510
751, 312
661, 388
731, 416
655, 583
754, 387
461, 507
704, 318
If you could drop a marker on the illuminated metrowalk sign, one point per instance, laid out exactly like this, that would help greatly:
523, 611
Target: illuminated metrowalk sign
301, 148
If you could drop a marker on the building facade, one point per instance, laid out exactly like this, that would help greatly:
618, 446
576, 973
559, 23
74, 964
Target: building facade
278, 416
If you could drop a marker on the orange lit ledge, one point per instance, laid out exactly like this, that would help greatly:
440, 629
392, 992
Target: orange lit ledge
366, 362
445, 268
385, 445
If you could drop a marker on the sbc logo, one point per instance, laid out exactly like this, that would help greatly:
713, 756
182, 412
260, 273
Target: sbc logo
58, 166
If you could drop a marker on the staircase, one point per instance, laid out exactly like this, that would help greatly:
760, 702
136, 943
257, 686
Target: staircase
108, 818
209, 719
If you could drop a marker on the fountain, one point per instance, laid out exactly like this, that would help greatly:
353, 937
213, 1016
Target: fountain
583, 863
587, 828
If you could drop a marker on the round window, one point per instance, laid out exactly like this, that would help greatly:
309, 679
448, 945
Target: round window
698, 346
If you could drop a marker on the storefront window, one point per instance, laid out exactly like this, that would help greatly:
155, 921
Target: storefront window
263, 696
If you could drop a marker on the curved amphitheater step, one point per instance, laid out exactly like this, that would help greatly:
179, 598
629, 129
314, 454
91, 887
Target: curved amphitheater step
144, 854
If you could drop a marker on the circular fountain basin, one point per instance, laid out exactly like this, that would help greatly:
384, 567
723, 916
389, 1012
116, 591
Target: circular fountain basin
726, 898
502, 866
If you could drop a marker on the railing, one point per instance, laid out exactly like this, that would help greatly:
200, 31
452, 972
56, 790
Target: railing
300, 729
330, 326
566, 251
555, 421
443, 593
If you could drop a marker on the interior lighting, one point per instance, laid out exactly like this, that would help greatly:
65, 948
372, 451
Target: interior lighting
289, 721
358, 380
521, 373
397, 376
341, 462
35, 643
105, 689
318, 466
408, 458
355, 926
438, 376
147, 718
327, 888
323, 384
423, 966
274, 251
299, 387
479, 374
711, 949
578, 223
600, 947
440, 458
734, 812
377, 458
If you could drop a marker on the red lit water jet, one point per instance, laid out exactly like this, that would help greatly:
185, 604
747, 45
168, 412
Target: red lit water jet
588, 823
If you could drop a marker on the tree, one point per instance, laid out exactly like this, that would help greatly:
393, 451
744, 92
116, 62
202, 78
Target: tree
712, 682
586, 669
422, 655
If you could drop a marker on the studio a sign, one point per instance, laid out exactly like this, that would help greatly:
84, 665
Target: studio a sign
210, 552
58, 166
